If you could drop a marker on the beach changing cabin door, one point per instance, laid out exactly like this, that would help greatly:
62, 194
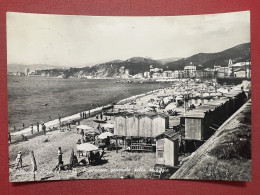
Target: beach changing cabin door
160, 151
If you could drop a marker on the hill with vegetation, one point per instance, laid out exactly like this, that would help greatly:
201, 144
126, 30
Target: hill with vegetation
238, 53
136, 65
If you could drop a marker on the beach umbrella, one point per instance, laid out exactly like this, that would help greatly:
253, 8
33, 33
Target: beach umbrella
222, 90
87, 147
92, 131
170, 106
105, 135
205, 95
84, 127
179, 98
213, 94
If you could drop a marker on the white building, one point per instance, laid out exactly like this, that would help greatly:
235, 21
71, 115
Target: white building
156, 70
127, 71
147, 74
190, 71
27, 71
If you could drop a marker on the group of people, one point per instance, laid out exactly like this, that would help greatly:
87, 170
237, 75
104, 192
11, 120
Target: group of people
38, 127
92, 158
83, 115
23, 126
95, 157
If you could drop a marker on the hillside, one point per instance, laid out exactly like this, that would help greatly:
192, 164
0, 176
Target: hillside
168, 60
111, 69
139, 64
208, 60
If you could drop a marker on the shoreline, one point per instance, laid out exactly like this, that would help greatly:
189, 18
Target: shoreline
92, 112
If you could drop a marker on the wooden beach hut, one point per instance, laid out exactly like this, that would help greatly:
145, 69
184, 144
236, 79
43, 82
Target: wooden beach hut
197, 122
140, 125
140, 128
167, 147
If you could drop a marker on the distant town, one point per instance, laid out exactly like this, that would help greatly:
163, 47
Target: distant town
239, 69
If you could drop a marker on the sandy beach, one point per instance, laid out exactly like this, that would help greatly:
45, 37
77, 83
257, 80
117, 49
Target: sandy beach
123, 164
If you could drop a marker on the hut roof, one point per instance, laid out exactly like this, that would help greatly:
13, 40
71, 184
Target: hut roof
170, 134
232, 93
200, 111
206, 107
217, 102
195, 114
150, 115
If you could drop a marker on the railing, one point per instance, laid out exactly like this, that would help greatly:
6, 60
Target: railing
141, 147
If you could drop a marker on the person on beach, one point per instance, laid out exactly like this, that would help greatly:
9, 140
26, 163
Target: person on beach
9, 137
43, 128
59, 118
50, 118
101, 116
183, 151
23, 125
59, 156
82, 132
107, 142
91, 157
19, 160
38, 126
32, 128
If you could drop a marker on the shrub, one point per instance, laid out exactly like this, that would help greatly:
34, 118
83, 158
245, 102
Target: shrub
238, 147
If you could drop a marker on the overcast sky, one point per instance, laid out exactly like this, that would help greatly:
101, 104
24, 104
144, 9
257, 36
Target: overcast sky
80, 40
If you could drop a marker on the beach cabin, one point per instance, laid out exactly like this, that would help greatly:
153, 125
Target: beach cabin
197, 122
140, 125
236, 98
140, 128
167, 147
203, 121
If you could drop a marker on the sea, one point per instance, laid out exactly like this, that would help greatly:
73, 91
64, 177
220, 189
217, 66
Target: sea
36, 99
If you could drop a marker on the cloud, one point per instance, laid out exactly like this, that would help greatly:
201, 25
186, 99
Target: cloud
78, 40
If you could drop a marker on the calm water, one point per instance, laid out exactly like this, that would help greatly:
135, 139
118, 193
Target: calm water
26, 96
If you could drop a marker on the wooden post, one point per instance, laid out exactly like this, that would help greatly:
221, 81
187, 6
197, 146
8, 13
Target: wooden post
116, 145
131, 144
34, 166
124, 142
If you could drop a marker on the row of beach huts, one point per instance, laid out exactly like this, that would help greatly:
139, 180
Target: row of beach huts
195, 127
